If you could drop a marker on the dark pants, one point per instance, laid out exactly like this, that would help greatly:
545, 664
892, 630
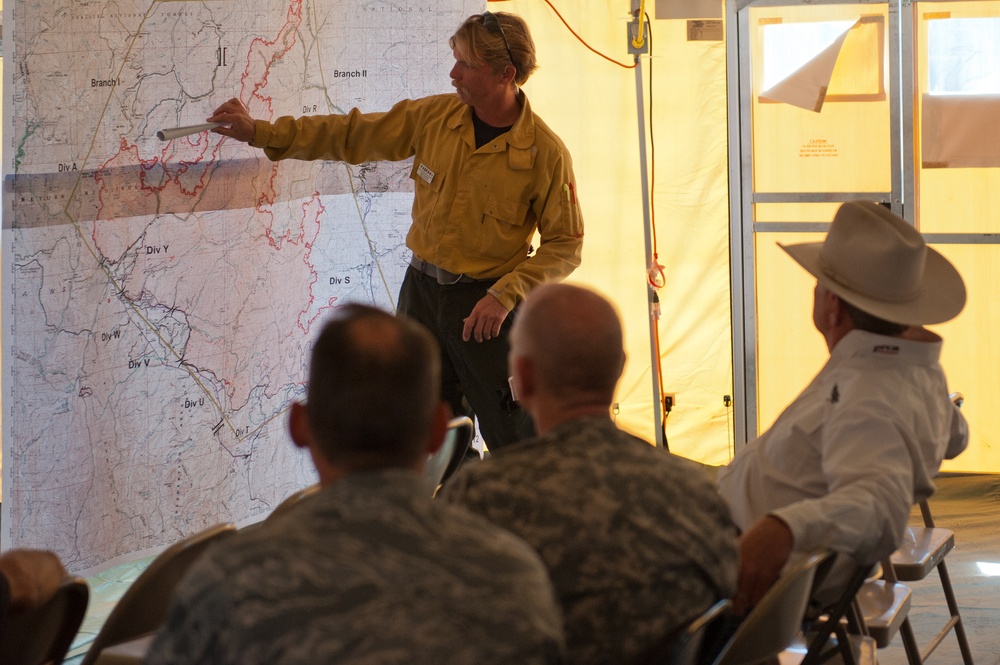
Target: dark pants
475, 371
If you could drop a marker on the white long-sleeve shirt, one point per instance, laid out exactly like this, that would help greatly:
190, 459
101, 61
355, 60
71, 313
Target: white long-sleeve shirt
845, 461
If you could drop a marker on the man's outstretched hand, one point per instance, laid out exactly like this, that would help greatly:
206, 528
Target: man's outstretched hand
238, 123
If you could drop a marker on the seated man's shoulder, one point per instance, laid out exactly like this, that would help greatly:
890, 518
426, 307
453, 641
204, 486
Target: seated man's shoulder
550, 472
490, 556
241, 555
445, 547
337, 598
637, 456
467, 529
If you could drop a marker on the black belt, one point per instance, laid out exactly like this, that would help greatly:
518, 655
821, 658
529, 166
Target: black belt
440, 274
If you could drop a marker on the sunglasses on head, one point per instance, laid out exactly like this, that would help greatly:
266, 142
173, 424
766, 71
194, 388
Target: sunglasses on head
491, 24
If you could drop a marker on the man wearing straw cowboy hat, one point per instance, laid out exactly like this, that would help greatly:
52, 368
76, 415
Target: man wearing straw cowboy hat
842, 465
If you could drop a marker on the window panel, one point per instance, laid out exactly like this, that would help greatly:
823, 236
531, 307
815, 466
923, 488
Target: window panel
962, 54
843, 147
957, 145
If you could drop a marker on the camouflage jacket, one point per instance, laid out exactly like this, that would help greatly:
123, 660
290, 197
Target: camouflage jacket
637, 541
368, 571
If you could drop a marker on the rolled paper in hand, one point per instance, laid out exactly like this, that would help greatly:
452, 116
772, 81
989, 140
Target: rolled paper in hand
177, 132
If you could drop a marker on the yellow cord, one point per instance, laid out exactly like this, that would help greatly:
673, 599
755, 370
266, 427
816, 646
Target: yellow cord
640, 40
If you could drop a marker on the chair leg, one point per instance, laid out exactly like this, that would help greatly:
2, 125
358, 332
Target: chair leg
949, 594
955, 623
855, 620
817, 651
913, 656
844, 646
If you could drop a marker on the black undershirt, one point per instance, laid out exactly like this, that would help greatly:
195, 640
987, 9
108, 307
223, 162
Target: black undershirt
486, 133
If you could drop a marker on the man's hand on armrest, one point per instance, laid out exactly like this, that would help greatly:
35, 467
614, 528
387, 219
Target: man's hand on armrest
764, 550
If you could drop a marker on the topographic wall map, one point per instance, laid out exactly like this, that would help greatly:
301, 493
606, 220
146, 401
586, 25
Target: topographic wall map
159, 298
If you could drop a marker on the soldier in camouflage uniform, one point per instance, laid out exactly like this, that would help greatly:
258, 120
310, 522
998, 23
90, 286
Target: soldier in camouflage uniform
636, 540
369, 570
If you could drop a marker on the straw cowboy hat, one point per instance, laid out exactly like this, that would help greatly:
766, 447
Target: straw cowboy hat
876, 261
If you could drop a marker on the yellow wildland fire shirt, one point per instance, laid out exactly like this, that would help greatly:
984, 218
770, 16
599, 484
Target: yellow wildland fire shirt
475, 211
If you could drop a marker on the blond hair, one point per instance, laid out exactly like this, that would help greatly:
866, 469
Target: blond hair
485, 46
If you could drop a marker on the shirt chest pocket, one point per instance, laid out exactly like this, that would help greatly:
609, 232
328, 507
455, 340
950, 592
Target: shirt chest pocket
504, 228
428, 206
428, 179
794, 447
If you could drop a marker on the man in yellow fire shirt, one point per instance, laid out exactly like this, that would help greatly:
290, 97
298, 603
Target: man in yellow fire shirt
488, 173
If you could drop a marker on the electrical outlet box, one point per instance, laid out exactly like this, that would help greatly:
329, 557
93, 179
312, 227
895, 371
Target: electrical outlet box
632, 28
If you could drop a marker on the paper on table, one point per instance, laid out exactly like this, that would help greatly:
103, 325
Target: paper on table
177, 132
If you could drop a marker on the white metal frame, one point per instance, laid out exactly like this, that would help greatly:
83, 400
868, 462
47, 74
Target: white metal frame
742, 197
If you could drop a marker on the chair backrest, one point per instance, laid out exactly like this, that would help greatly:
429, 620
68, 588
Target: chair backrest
829, 623
143, 607
44, 634
292, 500
683, 646
442, 464
777, 619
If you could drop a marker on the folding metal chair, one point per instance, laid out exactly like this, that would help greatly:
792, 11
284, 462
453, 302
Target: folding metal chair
441, 465
776, 621
143, 608
684, 646
879, 608
924, 550
884, 606
44, 634
829, 633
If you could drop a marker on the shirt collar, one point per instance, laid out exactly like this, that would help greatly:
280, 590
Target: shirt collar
860, 343
521, 134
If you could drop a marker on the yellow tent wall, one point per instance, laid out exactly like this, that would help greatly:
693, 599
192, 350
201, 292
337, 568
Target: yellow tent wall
591, 104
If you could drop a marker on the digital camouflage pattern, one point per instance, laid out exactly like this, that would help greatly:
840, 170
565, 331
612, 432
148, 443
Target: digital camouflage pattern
369, 571
637, 541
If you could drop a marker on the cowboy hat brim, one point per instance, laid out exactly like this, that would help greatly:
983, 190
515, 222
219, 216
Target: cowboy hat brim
940, 297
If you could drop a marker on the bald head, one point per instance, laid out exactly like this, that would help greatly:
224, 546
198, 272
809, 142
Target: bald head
572, 337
